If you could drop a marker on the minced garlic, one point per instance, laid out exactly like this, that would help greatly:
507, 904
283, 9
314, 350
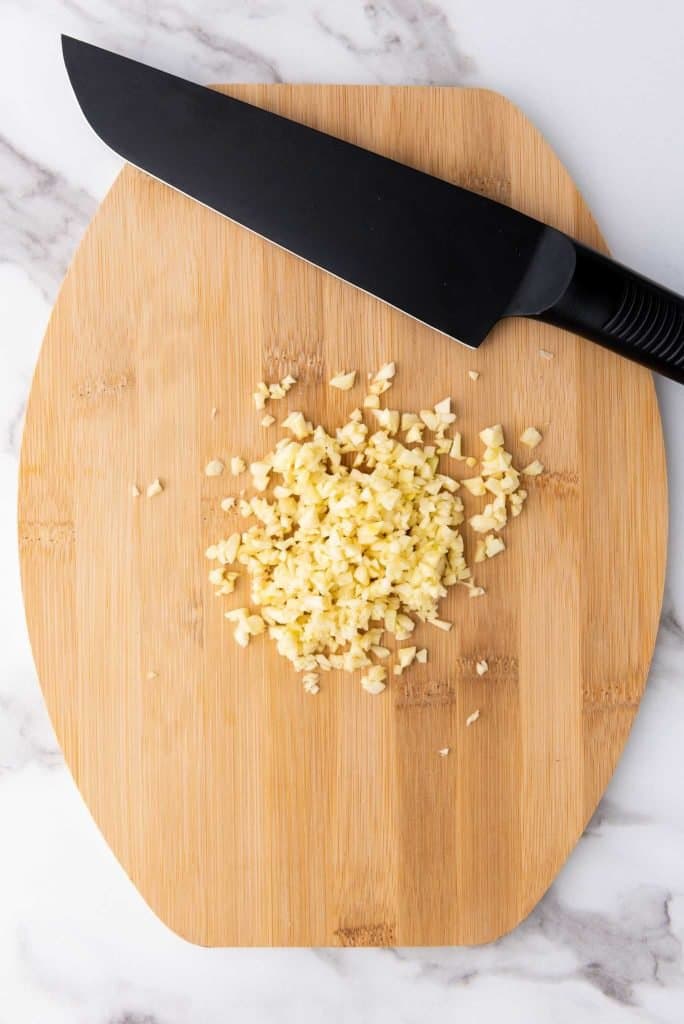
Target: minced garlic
455, 450
343, 381
382, 380
214, 468
156, 487
359, 535
299, 426
373, 681
338, 554
310, 681
475, 485
530, 437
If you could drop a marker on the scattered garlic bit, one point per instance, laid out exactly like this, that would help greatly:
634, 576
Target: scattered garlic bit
240, 633
444, 752
237, 465
246, 625
500, 478
264, 392
260, 472
310, 681
441, 624
135, 491
343, 381
493, 517
430, 418
380, 652
476, 592
455, 450
414, 434
244, 508
481, 667
447, 482
223, 580
371, 402
382, 380
225, 551
545, 354
492, 437
386, 372
388, 419
268, 420
406, 656
422, 655
473, 374
156, 487
474, 484
530, 437
356, 416
470, 462
534, 468
151, 675
493, 545
408, 420
373, 681
299, 426
214, 468
214, 413
516, 501
473, 718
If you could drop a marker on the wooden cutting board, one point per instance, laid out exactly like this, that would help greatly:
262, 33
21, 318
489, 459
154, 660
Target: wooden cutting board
245, 811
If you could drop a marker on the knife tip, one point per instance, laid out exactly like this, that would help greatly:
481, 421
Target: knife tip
69, 47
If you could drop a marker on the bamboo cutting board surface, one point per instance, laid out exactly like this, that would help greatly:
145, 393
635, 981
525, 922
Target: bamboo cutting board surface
245, 811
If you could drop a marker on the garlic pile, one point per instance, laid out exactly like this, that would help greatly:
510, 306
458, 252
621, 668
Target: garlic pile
360, 535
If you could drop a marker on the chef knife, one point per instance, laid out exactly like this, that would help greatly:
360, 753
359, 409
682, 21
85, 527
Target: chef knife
443, 254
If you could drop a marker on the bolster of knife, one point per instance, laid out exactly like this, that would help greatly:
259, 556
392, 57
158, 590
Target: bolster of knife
621, 310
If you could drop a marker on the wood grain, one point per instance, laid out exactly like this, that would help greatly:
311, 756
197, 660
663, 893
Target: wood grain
243, 810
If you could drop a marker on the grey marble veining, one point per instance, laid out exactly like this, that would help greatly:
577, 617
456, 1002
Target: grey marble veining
77, 944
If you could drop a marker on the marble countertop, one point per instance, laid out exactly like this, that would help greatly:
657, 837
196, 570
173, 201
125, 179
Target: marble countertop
604, 81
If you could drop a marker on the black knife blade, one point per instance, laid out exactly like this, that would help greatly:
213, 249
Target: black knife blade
444, 255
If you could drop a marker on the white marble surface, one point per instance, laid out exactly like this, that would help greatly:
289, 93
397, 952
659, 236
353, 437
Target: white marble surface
605, 81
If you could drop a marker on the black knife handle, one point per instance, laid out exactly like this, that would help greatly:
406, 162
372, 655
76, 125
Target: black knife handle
623, 311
